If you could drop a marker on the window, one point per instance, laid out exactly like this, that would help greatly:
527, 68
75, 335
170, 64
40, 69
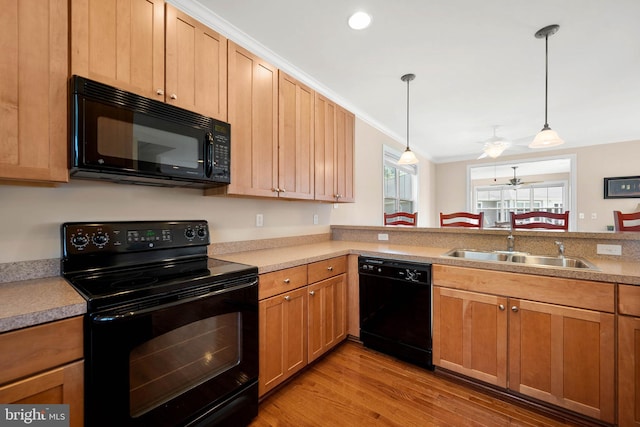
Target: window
400, 184
497, 202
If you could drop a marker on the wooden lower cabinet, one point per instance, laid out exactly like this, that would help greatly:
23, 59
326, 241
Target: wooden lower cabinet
327, 315
470, 334
544, 350
43, 365
564, 356
283, 337
629, 356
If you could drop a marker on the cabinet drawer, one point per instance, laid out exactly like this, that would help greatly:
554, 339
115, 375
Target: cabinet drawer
328, 268
41, 347
280, 281
629, 300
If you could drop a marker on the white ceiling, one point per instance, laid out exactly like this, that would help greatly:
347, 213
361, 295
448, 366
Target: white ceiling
477, 64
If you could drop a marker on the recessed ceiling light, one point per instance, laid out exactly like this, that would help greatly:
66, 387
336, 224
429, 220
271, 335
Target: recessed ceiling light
359, 20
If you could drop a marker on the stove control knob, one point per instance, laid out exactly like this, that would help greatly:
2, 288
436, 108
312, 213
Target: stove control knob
189, 233
79, 241
100, 239
202, 233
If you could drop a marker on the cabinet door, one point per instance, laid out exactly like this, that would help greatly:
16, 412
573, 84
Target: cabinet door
33, 90
253, 115
283, 337
628, 371
327, 315
120, 43
564, 356
295, 138
325, 145
470, 334
61, 385
345, 122
195, 65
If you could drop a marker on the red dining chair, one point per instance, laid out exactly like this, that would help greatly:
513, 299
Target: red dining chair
626, 222
401, 218
462, 219
540, 219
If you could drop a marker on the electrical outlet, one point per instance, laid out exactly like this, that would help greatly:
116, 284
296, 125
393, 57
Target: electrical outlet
594, 215
581, 215
315, 219
383, 236
259, 220
609, 249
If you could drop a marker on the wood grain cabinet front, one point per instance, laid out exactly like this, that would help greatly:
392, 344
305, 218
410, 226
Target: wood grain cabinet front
33, 90
515, 331
43, 365
152, 49
629, 356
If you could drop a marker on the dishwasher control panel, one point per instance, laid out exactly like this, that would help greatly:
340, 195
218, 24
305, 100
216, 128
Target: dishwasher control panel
396, 269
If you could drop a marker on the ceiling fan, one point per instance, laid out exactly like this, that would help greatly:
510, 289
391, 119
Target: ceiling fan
516, 182
496, 145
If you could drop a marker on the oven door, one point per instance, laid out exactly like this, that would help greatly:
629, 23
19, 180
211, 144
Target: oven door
190, 361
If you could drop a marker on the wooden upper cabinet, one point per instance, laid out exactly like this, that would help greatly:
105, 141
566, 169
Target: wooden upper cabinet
120, 43
334, 152
295, 139
253, 115
196, 65
33, 90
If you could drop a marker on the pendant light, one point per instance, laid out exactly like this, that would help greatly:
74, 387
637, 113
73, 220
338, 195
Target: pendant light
546, 137
408, 158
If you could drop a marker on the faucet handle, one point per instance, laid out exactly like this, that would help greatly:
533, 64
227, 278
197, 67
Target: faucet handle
560, 246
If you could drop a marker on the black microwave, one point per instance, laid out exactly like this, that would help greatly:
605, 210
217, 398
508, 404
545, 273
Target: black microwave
123, 137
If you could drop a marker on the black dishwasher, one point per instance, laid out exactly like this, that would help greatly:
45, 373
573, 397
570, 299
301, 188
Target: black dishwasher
395, 308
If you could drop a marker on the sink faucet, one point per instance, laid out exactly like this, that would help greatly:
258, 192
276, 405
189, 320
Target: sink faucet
560, 246
510, 241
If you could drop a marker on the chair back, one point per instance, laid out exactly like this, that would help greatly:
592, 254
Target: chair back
462, 219
626, 222
401, 218
540, 219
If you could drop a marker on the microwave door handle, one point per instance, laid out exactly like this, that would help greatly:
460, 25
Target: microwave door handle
209, 166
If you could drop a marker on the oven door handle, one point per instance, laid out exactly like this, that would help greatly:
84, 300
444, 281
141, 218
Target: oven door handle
120, 316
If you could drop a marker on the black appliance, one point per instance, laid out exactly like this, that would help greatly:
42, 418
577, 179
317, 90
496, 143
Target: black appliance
123, 137
395, 308
171, 336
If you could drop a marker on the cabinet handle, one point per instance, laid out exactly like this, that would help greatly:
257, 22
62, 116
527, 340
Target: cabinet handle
312, 293
330, 268
159, 92
282, 190
501, 307
287, 298
173, 96
276, 190
514, 308
287, 281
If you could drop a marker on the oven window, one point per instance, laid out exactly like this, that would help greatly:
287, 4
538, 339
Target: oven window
171, 364
133, 141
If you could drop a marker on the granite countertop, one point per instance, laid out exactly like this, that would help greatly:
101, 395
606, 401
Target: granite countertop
30, 302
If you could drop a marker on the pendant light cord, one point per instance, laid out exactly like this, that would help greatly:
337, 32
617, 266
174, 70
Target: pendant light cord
546, 78
408, 80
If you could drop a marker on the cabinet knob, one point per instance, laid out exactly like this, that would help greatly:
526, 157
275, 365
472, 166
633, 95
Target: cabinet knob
312, 293
287, 281
514, 308
501, 307
287, 298
159, 92
330, 268
173, 96
275, 190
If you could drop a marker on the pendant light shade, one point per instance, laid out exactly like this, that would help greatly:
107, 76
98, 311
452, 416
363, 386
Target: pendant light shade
408, 158
546, 137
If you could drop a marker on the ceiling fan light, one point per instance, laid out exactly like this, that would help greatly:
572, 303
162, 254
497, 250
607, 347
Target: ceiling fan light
494, 150
408, 158
546, 138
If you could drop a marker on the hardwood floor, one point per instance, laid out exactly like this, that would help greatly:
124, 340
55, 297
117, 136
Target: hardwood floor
355, 386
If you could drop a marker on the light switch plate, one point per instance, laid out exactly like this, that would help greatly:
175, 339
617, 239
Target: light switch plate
383, 236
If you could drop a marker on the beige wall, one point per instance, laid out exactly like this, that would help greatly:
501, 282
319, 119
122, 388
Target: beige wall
368, 209
593, 164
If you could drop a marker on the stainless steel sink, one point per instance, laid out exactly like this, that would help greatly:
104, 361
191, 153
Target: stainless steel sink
521, 258
569, 262
478, 255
